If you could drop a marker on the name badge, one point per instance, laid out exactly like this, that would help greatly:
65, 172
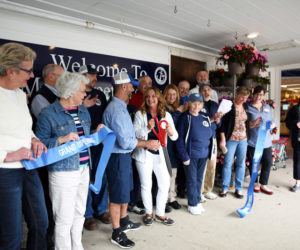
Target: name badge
266, 110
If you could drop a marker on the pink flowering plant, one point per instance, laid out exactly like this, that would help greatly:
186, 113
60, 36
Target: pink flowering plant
259, 60
241, 53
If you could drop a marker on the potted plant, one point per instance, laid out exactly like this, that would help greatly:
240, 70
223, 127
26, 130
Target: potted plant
258, 80
256, 63
216, 76
236, 56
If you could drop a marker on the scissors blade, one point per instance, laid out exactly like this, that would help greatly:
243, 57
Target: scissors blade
167, 158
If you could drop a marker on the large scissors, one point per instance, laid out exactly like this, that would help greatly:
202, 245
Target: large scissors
162, 131
162, 137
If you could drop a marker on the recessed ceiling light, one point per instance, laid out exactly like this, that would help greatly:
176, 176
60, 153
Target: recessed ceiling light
252, 35
283, 86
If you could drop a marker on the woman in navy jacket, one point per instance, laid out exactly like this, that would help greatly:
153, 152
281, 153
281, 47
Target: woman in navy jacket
193, 147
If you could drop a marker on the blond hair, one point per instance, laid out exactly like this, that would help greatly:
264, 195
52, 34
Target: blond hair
173, 107
12, 55
161, 110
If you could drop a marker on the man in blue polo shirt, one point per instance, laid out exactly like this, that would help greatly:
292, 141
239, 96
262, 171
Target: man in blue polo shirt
119, 170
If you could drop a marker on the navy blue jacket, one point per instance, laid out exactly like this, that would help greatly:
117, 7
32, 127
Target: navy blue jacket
184, 142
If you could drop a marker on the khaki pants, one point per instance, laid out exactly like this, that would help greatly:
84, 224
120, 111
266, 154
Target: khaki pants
172, 191
209, 175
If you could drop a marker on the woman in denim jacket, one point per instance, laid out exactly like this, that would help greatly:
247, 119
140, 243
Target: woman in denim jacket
63, 121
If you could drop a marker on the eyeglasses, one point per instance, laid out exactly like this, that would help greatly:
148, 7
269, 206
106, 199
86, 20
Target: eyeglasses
26, 70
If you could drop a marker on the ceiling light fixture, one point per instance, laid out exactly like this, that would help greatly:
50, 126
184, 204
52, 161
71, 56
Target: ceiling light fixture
175, 9
281, 45
252, 35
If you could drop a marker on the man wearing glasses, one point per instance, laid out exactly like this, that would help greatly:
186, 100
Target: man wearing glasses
47, 93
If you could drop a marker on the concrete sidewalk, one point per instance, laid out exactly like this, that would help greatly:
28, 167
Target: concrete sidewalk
274, 223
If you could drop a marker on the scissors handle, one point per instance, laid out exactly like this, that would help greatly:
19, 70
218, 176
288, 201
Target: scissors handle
161, 135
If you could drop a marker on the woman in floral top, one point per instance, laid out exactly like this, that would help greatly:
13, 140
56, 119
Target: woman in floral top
234, 142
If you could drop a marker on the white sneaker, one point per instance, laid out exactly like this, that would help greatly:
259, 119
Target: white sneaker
210, 196
194, 210
203, 200
201, 208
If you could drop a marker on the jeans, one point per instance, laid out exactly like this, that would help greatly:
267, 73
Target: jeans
194, 177
21, 190
96, 203
238, 149
266, 163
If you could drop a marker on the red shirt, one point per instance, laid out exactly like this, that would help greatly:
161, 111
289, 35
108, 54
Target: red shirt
136, 99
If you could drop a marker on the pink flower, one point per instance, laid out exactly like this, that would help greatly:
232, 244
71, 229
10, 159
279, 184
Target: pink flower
226, 57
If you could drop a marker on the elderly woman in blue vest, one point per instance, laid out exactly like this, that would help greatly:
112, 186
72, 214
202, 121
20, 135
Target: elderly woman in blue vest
63, 121
149, 161
258, 110
193, 147
20, 190
233, 141
171, 95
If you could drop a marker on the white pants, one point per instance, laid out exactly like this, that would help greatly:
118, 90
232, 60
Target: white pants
68, 192
154, 163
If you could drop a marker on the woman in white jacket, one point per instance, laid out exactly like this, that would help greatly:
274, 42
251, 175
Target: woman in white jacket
148, 161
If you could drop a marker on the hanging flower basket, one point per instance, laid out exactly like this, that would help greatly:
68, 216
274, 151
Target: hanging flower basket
235, 68
259, 61
236, 56
252, 70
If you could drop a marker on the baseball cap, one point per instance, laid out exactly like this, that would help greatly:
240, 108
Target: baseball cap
202, 85
88, 69
195, 97
123, 77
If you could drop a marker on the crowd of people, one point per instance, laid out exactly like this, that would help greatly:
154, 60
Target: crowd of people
166, 147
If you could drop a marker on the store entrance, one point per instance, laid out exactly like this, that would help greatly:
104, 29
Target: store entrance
290, 94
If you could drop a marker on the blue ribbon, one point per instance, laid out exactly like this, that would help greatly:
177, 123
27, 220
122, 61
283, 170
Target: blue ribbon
74, 147
259, 148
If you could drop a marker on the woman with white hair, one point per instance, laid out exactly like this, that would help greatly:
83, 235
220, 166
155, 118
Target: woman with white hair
63, 121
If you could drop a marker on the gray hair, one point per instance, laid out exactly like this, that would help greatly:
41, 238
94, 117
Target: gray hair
49, 68
68, 84
12, 55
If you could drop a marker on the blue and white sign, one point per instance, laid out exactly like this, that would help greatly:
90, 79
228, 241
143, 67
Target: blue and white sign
108, 66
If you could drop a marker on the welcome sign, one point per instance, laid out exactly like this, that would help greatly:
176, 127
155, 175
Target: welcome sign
108, 66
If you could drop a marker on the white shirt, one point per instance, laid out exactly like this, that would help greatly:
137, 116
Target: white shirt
15, 125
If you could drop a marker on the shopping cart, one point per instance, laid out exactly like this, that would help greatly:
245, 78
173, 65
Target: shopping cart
279, 153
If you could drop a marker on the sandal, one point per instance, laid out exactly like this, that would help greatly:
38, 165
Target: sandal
222, 193
148, 219
165, 220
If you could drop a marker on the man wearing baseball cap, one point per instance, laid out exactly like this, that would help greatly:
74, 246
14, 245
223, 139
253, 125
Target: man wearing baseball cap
119, 170
210, 109
95, 102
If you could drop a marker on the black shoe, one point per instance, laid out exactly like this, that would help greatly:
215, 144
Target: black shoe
148, 220
168, 209
222, 193
238, 195
122, 241
131, 226
175, 205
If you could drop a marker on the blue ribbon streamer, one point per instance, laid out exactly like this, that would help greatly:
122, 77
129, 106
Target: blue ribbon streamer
74, 147
259, 148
